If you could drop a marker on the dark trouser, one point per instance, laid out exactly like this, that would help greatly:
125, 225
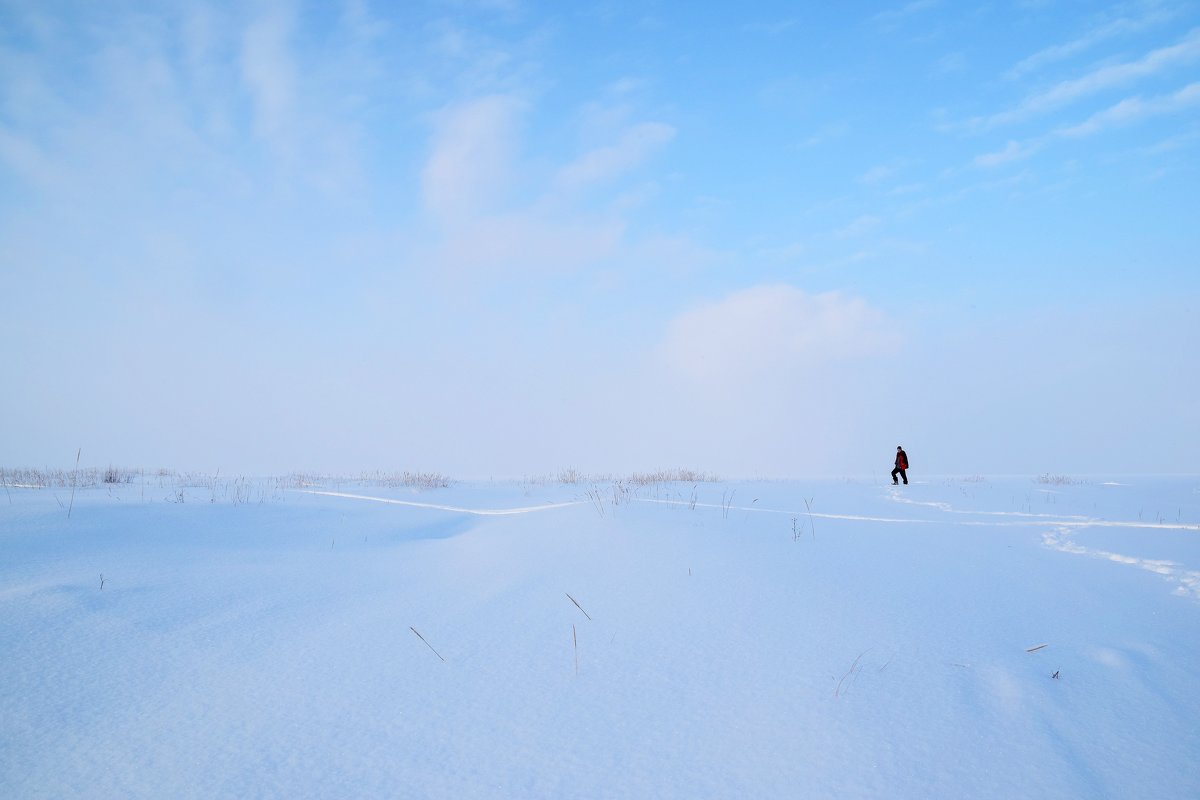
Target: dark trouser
902, 474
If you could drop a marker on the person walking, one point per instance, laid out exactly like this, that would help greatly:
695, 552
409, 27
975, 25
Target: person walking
901, 466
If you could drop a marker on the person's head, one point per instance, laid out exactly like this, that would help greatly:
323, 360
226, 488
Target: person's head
898, 447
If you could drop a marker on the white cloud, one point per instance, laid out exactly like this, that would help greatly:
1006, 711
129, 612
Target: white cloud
907, 10
472, 157
770, 330
858, 226
27, 159
269, 71
497, 213
1185, 51
771, 28
950, 63
528, 242
1127, 111
1094, 36
1013, 151
825, 134
604, 163
1132, 109
877, 174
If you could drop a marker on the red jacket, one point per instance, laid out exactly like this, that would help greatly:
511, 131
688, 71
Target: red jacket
901, 459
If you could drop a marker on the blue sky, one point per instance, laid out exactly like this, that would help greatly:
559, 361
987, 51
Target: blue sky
499, 237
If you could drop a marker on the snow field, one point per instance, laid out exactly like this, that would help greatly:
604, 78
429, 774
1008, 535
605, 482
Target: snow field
737, 646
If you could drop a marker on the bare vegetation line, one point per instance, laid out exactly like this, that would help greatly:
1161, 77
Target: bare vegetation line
407, 480
78, 453
1057, 480
838, 691
596, 499
215, 487
676, 475
576, 602
32, 478
427, 644
571, 476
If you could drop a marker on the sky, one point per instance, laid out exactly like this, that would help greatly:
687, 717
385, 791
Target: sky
499, 238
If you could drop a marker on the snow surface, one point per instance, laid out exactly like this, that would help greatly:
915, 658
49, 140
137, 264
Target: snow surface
738, 645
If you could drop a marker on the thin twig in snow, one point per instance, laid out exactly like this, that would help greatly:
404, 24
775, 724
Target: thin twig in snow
74, 475
427, 644
576, 602
837, 692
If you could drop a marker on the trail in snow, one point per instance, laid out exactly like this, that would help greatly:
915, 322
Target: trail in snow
481, 512
1058, 537
896, 497
1021, 519
1187, 580
801, 513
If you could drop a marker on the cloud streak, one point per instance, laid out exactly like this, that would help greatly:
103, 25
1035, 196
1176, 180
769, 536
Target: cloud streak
1097, 35
471, 159
1186, 51
1134, 109
603, 164
270, 73
1126, 112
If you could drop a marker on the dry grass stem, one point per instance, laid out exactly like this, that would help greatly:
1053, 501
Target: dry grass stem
576, 602
427, 644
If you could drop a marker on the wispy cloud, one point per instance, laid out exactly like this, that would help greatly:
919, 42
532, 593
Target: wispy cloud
858, 227
771, 28
909, 9
1012, 151
497, 213
1179, 141
270, 72
1126, 112
950, 63
604, 163
27, 160
1096, 35
877, 174
825, 134
1132, 109
471, 158
1186, 51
